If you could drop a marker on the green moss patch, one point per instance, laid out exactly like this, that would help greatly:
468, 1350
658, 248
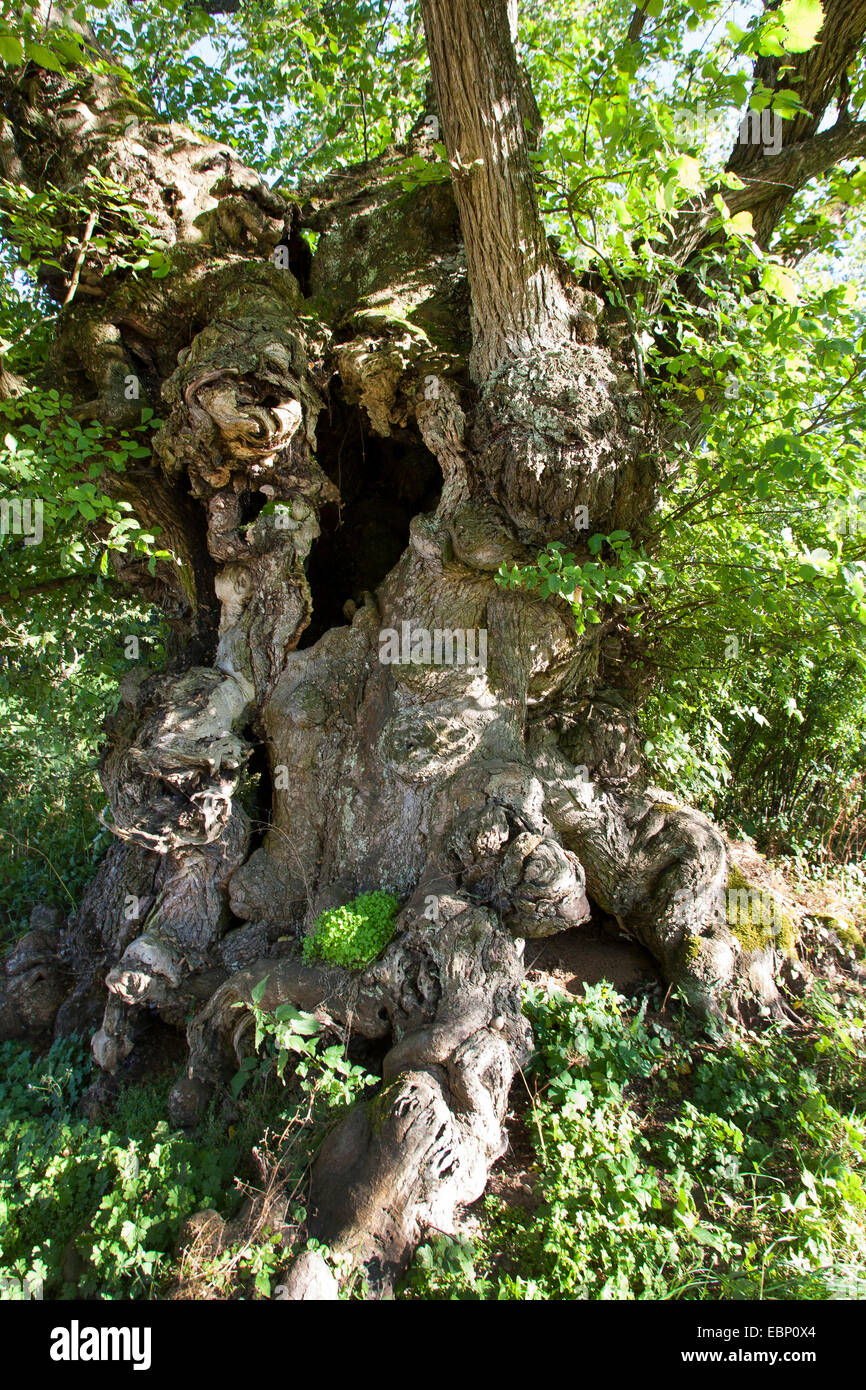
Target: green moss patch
354, 934
756, 917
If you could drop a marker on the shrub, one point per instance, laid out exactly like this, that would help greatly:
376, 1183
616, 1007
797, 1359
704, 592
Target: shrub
96, 1209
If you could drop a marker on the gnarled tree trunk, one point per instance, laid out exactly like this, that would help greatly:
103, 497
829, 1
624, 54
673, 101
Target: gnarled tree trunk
423, 399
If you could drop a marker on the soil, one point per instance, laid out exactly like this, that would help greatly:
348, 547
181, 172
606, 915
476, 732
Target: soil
587, 955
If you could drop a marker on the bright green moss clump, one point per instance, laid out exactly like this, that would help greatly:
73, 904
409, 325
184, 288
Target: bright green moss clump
354, 934
852, 938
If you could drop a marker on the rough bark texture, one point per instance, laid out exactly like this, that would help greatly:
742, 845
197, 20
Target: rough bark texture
412, 453
518, 302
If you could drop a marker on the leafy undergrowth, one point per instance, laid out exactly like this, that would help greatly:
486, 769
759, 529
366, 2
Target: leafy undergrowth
668, 1166
56, 687
97, 1209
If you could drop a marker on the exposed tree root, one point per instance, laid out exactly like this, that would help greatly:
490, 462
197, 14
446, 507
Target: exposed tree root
449, 997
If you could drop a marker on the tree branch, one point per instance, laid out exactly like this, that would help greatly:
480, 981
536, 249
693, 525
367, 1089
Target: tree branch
636, 25
807, 152
45, 586
782, 175
79, 260
817, 76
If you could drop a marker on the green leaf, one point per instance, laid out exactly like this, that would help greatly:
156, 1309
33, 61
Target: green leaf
802, 21
45, 57
740, 225
777, 281
687, 172
704, 1235
257, 992
11, 49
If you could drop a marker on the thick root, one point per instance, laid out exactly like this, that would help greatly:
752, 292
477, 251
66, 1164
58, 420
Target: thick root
448, 995
661, 869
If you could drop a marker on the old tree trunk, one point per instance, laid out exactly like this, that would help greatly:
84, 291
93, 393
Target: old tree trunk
424, 398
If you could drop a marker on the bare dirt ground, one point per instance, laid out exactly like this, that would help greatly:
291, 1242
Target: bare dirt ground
586, 956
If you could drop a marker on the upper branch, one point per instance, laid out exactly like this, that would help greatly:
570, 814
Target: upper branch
80, 131
783, 175
817, 77
771, 181
772, 184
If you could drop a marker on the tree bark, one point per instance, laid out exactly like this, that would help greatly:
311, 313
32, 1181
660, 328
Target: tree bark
518, 304
498, 802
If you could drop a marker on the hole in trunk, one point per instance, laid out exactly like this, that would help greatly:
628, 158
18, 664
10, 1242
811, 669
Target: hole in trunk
369, 1053
249, 506
256, 792
300, 258
383, 483
588, 954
